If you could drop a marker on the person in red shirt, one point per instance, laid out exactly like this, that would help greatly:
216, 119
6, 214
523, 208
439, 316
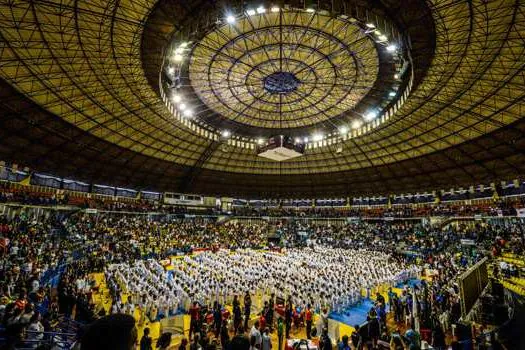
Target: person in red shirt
262, 322
195, 317
308, 316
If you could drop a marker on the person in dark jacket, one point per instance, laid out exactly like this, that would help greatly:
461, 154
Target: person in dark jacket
145, 341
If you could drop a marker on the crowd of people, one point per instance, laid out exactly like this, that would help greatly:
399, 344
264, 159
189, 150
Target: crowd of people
321, 268
29, 195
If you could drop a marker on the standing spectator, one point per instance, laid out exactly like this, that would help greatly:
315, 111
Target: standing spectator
247, 309
145, 341
308, 317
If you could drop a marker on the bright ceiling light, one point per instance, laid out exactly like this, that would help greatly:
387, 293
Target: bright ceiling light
297, 140
260, 141
377, 32
183, 44
370, 25
275, 9
225, 133
230, 19
177, 58
356, 124
392, 93
250, 12
179, 50
187, 113
305, 139
370, 116
171, 70
343, 130
317, 137
182, 106
261, 9
396, 76
310, 10
382, 38
391, 48
177, 98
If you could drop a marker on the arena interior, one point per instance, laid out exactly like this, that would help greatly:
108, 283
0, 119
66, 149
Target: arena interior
257, 175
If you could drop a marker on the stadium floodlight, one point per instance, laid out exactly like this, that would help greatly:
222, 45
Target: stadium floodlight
370, 116
225, 133
370, 25
343, 130
317, 137
356, 124
250, 12
177, 98
260, 10
274, 9
391, 48
187, 113
230, 19
182, 107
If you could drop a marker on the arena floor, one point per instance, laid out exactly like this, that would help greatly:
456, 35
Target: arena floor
345, 320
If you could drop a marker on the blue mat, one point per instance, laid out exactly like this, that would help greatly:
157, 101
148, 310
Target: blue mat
411, 283
354, 315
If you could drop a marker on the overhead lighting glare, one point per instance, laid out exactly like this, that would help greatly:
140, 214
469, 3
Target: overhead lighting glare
396, 76
305, 139
392, 93
260, 141
391, 48
317, 137
343, 130
187, 113
177, 58
260, 10
382, 38
310, 10
182, 106
297, 140
230, 19
183, 44
274, 9
370, 25
171, 70
179, 50
370, 116
177, 98
356, 124
225, 133
250, 12
377, 32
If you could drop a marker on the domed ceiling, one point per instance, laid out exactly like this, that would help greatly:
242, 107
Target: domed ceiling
386, 98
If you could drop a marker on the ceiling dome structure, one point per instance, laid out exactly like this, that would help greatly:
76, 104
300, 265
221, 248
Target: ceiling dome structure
387, 98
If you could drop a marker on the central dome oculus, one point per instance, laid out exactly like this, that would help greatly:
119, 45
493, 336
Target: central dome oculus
281, 83
284, 70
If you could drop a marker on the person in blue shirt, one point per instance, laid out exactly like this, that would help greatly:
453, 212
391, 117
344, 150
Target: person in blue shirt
343, 344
